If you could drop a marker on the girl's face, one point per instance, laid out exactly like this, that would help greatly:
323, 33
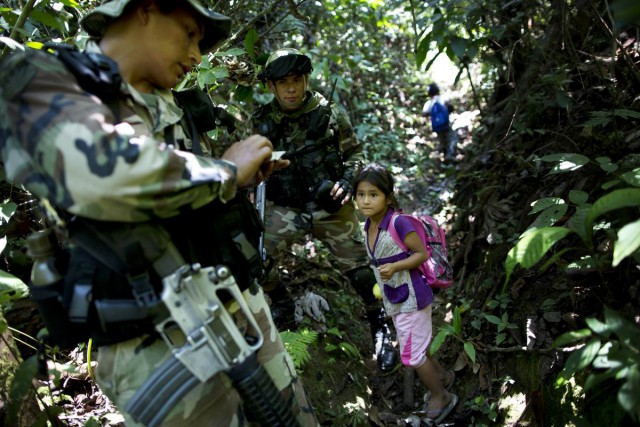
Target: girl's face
371, 201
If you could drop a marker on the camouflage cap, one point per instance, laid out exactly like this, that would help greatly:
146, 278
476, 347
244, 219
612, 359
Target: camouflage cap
217, 26
284, 62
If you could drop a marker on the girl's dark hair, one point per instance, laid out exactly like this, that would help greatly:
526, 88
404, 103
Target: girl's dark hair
379, 176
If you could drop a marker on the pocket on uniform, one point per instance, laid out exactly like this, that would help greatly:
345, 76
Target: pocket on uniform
396, 295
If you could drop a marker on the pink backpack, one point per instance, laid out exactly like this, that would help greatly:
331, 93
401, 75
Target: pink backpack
437, 268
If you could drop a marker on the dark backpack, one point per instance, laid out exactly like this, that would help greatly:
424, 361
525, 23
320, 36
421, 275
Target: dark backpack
436, 269
439, 117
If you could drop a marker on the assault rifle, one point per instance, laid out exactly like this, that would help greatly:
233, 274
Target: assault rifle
205, 341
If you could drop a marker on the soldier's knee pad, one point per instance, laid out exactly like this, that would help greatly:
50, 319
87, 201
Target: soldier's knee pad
362, 279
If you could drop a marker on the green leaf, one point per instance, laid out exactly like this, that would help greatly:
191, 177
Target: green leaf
437, 341
607, 185
598, 327
628, 242
211, 76
566, 162
457, 321
626, 197
236, 51
458, 46
571, 337
550, 216
542, 204
250, 41
623, 328
580, 359
492, 319
578, 197
625, 114
470, 350
350, 350
532, 247
7, 209
244, 93
632, 177
578, 221
11, 288
629, 393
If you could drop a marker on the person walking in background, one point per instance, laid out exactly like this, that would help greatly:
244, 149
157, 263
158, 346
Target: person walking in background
405, 292
438, 109
314, 195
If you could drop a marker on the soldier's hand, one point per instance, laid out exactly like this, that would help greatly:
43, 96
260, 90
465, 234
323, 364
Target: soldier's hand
342, 191
250, 156
313, 305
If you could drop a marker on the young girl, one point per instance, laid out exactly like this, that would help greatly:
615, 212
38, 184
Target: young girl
406, 295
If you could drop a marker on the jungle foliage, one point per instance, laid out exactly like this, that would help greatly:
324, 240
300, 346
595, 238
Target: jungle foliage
544, 216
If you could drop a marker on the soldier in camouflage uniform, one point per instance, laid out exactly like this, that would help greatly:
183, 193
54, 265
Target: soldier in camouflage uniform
313, 195
119, 161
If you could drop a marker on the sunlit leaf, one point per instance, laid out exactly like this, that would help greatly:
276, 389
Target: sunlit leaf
623, 328
617, 199
632, 177
532, 247
550, 216
544, 203
629, 393
565, 162
7, 209
11, 288
628, 242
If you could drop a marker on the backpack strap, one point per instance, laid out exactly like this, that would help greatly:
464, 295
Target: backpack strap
394, 233
419, 229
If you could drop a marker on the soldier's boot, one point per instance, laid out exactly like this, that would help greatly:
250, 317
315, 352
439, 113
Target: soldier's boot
386, 354
362, 279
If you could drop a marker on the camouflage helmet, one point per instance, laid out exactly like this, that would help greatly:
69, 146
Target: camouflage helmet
217, 26
284, 62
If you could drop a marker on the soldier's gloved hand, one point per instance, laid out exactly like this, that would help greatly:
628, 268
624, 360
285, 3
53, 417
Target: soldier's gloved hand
342, 191
313, 305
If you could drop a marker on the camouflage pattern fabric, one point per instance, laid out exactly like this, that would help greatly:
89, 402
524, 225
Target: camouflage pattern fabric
340, 231
60, 143
123, 368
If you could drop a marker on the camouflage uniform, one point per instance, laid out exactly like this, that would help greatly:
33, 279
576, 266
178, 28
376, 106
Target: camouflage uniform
290, 218
61, 143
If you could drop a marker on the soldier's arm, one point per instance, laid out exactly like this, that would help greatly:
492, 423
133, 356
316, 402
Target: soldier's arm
62, 144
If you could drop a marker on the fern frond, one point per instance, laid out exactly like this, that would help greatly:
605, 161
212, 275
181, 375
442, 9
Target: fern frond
297, 345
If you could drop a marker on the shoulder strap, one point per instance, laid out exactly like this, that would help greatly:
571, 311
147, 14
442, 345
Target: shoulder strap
394, 233
419, 230
96, 73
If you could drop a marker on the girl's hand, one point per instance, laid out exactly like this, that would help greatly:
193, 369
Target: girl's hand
386, 271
